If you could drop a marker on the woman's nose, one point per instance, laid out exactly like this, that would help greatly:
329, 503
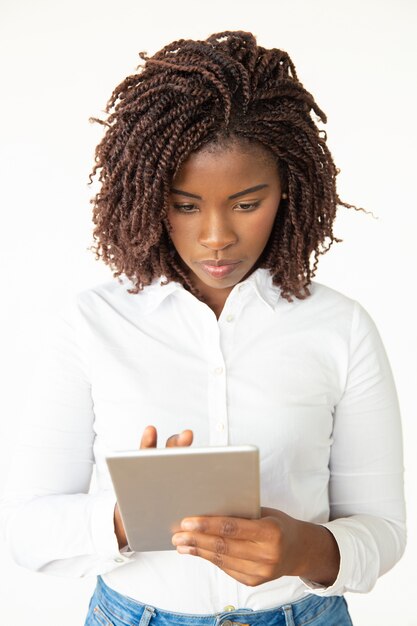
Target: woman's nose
217, 233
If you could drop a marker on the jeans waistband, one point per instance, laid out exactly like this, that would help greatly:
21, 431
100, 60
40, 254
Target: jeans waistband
121, 610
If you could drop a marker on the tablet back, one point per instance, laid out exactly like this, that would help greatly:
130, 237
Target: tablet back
156, 488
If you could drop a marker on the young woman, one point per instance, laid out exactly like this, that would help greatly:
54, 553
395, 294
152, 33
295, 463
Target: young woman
218, 195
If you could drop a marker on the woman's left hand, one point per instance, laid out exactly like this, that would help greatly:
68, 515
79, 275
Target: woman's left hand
257, 551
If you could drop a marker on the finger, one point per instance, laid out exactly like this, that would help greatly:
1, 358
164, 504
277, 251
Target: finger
149, 438
243, 567
182, 439
249, 581
236, 548
227, 527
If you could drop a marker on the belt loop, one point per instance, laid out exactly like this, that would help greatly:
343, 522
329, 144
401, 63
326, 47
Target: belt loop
147, 615
289, 618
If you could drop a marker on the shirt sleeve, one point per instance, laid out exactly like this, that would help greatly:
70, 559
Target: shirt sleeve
367, 511
50, 520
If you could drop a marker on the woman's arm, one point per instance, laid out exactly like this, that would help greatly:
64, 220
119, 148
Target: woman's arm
367, 509
366, 534
50, 520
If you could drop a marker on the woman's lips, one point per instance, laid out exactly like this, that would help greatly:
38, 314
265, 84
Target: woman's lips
219, 271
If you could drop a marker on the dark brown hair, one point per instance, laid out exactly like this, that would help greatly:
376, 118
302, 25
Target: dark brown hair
190, 94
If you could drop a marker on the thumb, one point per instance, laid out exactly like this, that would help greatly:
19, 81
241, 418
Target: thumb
183, 439
149, 438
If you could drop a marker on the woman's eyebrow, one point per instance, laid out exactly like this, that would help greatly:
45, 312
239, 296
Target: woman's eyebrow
249, 190
234, 195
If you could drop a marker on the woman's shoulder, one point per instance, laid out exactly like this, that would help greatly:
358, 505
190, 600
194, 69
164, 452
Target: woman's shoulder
121, 289
324, 296
323, 293
329, 304
120, 296
319, 297
115, 288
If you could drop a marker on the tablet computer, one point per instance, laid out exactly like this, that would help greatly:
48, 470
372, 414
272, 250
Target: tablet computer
157, 487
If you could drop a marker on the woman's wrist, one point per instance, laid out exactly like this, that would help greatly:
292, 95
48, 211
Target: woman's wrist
319, 554
119, 529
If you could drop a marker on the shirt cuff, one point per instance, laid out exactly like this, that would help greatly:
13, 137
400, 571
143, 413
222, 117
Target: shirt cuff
358, 559
102, 530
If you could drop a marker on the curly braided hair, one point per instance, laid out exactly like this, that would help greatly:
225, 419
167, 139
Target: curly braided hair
194, 93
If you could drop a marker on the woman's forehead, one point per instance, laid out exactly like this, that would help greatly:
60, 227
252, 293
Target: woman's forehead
233, 159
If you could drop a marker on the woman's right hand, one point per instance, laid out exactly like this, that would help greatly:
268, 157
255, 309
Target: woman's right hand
149, 440
150, 436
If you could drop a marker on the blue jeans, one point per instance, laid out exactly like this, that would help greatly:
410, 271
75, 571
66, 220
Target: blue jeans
109, 608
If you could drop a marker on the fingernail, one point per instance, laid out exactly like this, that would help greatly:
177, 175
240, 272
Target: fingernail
185, 549
189, 525
179, 540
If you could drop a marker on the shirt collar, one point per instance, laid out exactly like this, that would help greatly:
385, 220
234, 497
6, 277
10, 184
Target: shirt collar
260, 281
158, 291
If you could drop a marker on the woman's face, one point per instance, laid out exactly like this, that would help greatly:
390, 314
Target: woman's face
222, 207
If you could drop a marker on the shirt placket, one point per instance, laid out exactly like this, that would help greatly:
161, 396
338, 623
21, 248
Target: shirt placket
219, 345
217, 391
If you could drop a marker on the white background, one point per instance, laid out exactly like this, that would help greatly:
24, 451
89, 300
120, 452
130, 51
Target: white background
59, 64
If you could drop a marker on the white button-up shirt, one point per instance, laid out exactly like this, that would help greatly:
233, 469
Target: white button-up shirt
308, 382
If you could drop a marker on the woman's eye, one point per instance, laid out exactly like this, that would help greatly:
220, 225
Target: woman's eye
250, 206
185, 208
192, 208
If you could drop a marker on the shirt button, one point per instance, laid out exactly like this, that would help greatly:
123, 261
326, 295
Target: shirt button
230, 318
220, 426
218, 370
118, 560
229, 607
